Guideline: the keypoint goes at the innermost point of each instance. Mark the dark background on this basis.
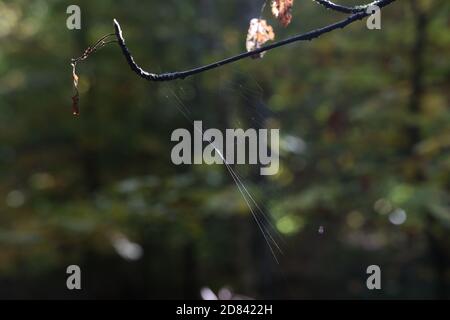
(364, 122)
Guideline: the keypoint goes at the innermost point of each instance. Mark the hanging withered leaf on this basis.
(76, 97)
(103, 41)
(259, 33)
(282, 9)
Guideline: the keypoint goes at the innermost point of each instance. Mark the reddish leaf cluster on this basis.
(260, 31)
(282, 9)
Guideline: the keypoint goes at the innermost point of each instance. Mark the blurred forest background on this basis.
(365, 153)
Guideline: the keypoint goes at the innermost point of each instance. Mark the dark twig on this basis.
(91, 49)
(358, 15)
(340, 8)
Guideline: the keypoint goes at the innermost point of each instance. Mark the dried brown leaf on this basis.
(76, 97)
(259, 33)
(282, 10)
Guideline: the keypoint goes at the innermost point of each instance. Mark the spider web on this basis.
(244, 90)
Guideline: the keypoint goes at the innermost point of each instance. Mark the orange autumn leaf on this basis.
(259, 33)
(281, 9)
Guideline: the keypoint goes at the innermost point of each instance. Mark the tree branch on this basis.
(357, 15)
(339, 8)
